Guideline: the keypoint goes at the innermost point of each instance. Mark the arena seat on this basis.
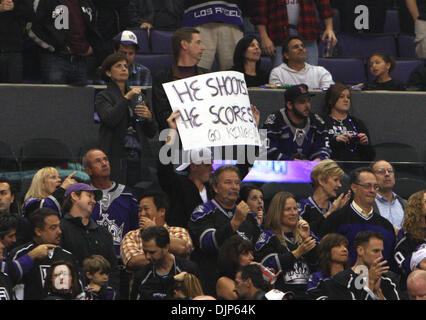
(405, 187)
(143, 40)
(155, 62)
(363, 45)
(8, 160)
(346, 70)
(403, 69)
(406, 46)
(161, 41)
(392, 22)
(395, 152)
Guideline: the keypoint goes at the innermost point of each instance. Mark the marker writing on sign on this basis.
(191, 91)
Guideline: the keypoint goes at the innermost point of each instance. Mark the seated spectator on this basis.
(381, 66)
(62, 282)
(247, 61)
(236, 252)
(413, 232)
(81, 234)
(156, 280)
(28, 263)
(390, 205)
(46, 190)
(332, 259)
(286, 245)
(158, 14)
(219, 219)
(253, 196)
(359, 215)
(295, 70)
(418, 259)
(97, 269)
(294, 133)
(370, 269)
(187, 288)
(349, 137)
(126, 43)
(153, 208)
(417, 79)
(250, 284)
(126, 123)
(416, 284)
(326, 179)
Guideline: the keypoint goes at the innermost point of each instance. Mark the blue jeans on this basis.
(63, 69)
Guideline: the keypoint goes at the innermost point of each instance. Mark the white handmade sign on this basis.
(215, 110)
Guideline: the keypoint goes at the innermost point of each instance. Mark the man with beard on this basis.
(33, 259)
(293, 132)
(81, 234)
(156, 279)
(389, 204)
(217, 220)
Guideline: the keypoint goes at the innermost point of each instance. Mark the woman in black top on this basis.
(349, 137)
(125, 123)
(247, 60)
(381, 65)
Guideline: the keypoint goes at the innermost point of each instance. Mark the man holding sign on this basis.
(187, 51)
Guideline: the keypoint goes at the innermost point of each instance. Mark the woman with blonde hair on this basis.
(187, 288)
(46, 190)
(286, 245)
(413, 232)
(326, 179)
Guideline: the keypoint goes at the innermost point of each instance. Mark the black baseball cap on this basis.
(296, 91)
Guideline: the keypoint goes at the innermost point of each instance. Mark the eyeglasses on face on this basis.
(369, 186)
(383, 171)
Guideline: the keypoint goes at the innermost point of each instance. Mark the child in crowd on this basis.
(381, 65)
(97, 269)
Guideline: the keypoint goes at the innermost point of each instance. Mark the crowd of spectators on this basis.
(118, 237)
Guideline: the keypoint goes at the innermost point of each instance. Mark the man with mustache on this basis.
(388, 204)
(293, 132)
(217, 220)
(32, 260)
(81, 234)
(295, 70)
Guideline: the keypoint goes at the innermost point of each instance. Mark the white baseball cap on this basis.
(197, 156)
(127, 37)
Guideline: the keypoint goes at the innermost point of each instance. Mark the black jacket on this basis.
(5, 287)
(148, 285)
(353, 151)
(84, 241)
(417, 80)
(43, 31)
(183, 194)
(11, 22)
(114, 112)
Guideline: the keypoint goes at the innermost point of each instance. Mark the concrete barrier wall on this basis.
(66, 113)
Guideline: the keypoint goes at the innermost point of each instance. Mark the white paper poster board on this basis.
(215, 110)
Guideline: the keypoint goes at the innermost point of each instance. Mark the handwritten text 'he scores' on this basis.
(215, 110)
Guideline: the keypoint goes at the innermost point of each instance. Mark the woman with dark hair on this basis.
(125, 123)
(381, 66)
(413, 232)
(332, 258)
(234, 253)
(253, 196)
(349, 137)
(286, 245)
(62, 282)
(247, 60)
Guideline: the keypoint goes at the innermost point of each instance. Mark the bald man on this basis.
(416, 285)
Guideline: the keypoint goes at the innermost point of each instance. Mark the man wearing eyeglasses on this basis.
(388, 204)
(360, 214)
